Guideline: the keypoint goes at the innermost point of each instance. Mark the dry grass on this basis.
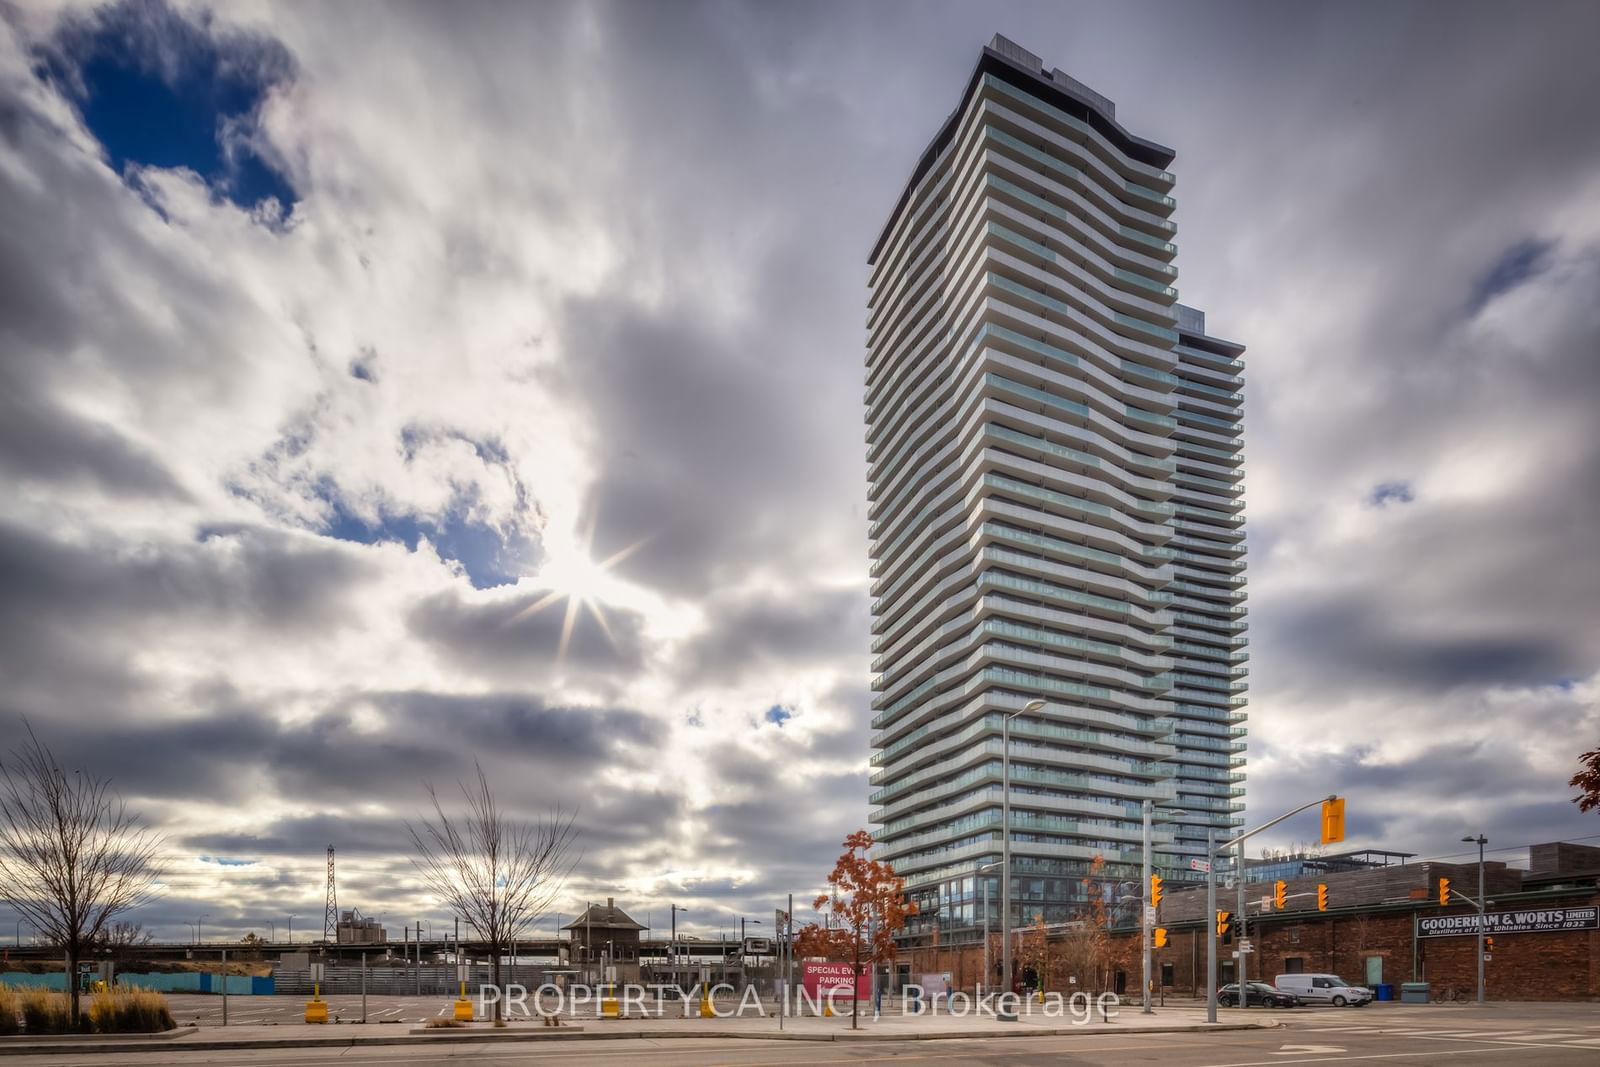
(124, 1010)
(10, 1010)
(443, 1022)
(45, 1011)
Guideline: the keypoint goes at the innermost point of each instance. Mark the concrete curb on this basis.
(199, 1044)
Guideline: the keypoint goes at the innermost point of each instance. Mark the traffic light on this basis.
(1161, 937)
(1279, 894)
(1333, 820)
(1225, 927)
(1444, 891)
(1155, 889)
(1322, 897)
(1488, 944)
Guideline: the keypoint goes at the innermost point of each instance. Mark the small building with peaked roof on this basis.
(602, 934)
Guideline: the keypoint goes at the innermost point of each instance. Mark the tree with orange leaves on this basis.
(868, 905)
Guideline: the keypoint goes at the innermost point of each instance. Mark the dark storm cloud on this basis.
(73, 611)
(755, 634)
(540, 754)
(705, 456)
(1427, 800)
(42, 444)
(517, 638)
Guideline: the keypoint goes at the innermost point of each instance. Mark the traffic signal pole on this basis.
(1244, 932)
(1214, 851)
(1144, 912)
(1211, 926)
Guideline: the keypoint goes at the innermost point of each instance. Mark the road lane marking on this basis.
(1371, 1056)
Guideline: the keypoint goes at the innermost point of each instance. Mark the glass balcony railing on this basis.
(1143, 371)
(1149, 194)
(1005, 433)
(1150, 417)
(1145, 239)
(1145, 283)
(1146, 326)
(1187, 416)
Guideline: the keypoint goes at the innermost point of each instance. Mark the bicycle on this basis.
(1456, 995)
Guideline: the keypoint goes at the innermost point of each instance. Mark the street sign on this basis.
(1149, 913)
(1203, 866)
(316, 972)
(1530, 921)
(1487, 957)
(1245, 946)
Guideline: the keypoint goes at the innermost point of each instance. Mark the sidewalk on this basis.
(887, 1028)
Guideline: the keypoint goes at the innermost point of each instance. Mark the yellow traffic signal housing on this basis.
(1225, 927)
(1333, 821)
(1322, 897)
(1280, 894)
(1488, 944)
(1160, 937)
(1444, 891)
(1155, 889)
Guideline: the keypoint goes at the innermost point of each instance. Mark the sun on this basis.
(570, 573)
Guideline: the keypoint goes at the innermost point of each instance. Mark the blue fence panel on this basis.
(22, 979)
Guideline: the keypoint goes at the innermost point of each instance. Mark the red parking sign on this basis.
(819, 978)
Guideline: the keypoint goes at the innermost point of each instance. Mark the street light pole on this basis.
(1005, 851)
(988, 972)
(672, 951)
(290, 935)
(1480, 841)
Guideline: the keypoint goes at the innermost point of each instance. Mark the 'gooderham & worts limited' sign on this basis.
(1533, 921)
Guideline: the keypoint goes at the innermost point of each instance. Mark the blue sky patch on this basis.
(778, 715)
(224, 861)
(159, 90)
(489, 558)
(1516, 265)
(1385, 493)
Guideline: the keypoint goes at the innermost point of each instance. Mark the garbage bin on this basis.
(1384, 991)
(1413, 992)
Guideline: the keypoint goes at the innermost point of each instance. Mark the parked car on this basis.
(1324, 989)
(1260, 993)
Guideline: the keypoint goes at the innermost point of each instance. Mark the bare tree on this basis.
(498, 874)
(122, 939)
(72, 856)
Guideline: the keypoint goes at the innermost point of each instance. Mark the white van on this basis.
(1323, 989)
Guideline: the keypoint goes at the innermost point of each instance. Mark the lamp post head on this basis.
(1034, 705)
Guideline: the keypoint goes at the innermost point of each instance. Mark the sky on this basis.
(385, 387)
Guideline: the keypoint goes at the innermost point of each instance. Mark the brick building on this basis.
(605, 936)
(1376, 929)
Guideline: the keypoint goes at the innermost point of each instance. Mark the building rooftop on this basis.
(1012, 63)
(607, 917)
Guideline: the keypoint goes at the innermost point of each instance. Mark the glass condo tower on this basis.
(1055, 484)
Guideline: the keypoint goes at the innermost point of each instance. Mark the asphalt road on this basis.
(1229, 1049)
(1497, 1034)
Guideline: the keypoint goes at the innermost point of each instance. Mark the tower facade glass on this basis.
(1056, 513)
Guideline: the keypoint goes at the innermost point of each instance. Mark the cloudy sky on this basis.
(384, 387)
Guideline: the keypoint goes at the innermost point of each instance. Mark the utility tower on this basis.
(330, 918)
